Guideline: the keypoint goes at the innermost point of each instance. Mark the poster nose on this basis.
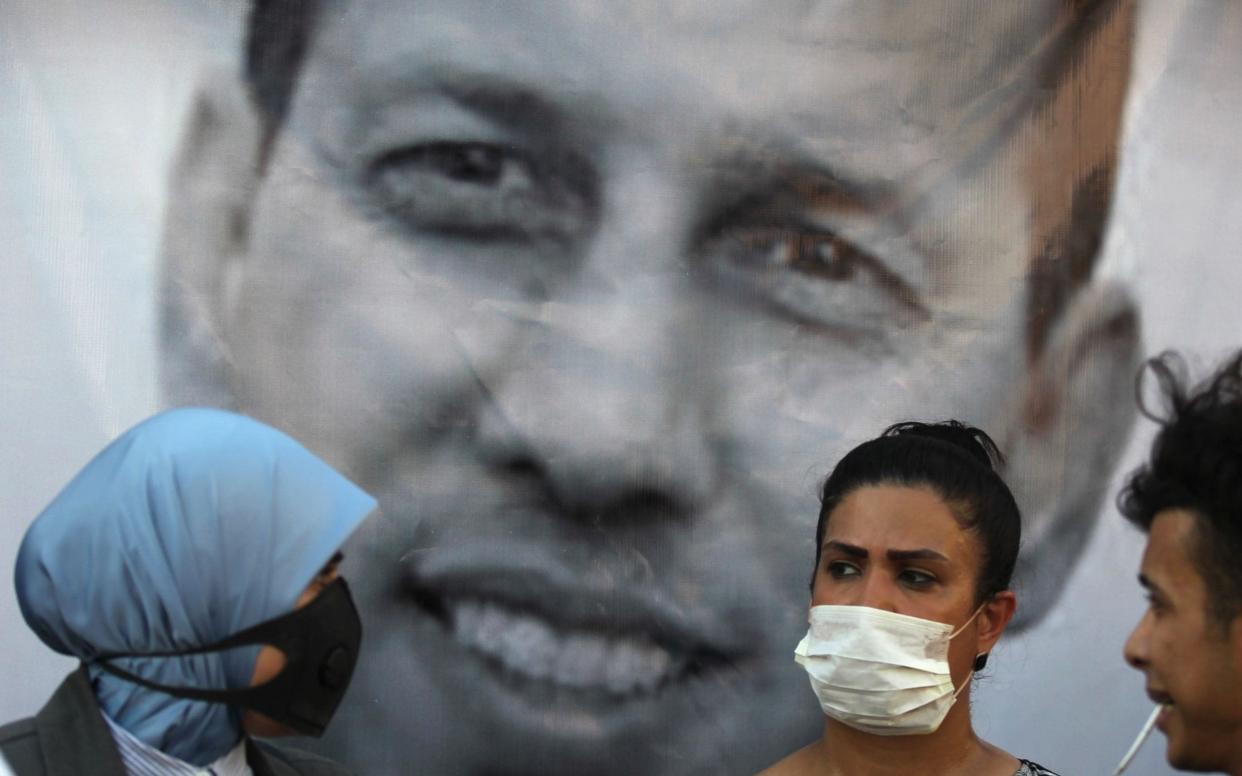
(613, 395)
(610, 396)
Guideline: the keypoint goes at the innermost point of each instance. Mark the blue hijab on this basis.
(190, 527)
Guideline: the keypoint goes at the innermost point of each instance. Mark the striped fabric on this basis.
(142, 760)
(1028, 768)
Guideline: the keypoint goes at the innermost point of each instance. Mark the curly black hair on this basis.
(1196, 465)
(961, 464)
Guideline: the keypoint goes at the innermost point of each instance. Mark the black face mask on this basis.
(320, 642)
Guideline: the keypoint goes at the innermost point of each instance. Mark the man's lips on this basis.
(1165, 701)
(541, 621)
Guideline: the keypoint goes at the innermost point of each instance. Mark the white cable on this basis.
(1138, 742)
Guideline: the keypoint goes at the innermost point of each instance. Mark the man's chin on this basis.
(1184, 754)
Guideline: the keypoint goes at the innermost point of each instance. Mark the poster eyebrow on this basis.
(773, 173)
(495, 96)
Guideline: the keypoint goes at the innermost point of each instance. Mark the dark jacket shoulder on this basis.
(69, 737)
(19, 745)
(286, 761)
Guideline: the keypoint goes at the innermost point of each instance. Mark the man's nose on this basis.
(1135, 650)
(609, 396)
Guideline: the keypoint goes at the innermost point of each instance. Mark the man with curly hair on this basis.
(1188, 499)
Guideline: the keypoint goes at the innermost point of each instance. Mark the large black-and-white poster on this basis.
(591, 296)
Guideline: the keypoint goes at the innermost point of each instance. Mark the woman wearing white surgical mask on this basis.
(915, 547)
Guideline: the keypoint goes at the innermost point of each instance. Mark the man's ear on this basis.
(1067, 431)
(214, 177)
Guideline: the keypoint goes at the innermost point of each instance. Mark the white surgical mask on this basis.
(880, 672)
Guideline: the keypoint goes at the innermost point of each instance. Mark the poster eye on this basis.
(812, 274)
(464, 168)
(481, 191)
(481, 164)
(816, 253)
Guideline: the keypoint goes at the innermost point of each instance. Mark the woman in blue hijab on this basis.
(191, 567)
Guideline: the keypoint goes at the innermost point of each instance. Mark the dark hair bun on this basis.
(973, 441)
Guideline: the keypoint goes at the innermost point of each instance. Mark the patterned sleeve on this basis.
(1028, 768)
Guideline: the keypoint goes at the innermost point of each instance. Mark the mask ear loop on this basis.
(255, 635)
(980, 660)
(966, 624)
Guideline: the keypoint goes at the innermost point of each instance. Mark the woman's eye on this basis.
(916, 578)
(840, 569)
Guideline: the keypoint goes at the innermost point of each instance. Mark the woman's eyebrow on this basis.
(920, 554)
(855, 551)
(846, 549)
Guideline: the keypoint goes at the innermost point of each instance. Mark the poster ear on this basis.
(211, 187)
(1068, 431)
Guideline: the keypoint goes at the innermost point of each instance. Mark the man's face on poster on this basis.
(591, 296)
